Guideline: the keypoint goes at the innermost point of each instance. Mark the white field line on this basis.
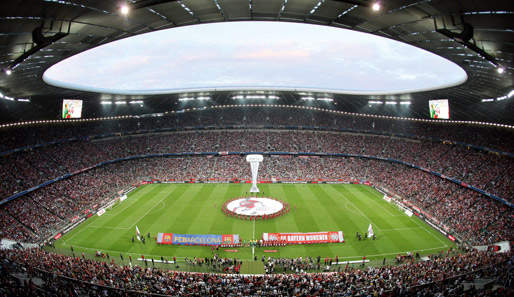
(112, 251)
(139, 254)
(346, 206)
(147, 212)
(416, 221)
(163, 205)
(107, 227)
(181, 258)
(396, 229)
(378, 203)
(396, 253)
(361, 213)
(64, 242)
(123, 205)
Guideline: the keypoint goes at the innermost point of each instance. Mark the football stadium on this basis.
(256, 148)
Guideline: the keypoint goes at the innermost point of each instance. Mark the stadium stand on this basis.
(443, 200)
(373, 149)
(444, 274)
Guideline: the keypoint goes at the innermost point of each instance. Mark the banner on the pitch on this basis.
(305, 238)
(197, 239)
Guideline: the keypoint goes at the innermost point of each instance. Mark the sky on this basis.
(255, 55)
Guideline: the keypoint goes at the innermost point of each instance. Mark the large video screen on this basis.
(439, 109)
(71, 109)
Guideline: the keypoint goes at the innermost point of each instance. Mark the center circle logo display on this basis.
(255, 206)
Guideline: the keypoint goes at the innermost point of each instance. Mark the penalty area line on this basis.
(360, 211)
(148, 212)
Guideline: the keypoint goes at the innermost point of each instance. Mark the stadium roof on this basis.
(475, 34)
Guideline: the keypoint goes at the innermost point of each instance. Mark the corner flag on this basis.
(138, 233)
(370, 231)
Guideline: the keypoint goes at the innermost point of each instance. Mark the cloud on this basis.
(266, 54)
(257, 54)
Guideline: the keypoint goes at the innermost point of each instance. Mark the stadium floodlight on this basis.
(511, 93)
(8, 71)
(124, 9)
(376, 6)
(488, 100)
(255, 97)
(500, 70)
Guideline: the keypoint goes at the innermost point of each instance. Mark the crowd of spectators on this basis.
(486, 136)
(40, 212)
(476, 218)
(443, 274)
(486, 171)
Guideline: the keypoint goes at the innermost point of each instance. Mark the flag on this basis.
(138, 233)
(370, 231)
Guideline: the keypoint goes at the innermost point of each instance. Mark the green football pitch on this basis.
(196, 209)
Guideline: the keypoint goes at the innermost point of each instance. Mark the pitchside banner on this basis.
(197, 239)
(305, 238)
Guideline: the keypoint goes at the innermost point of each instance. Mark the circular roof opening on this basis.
(255, 55)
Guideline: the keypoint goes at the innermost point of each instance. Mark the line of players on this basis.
(359, 236)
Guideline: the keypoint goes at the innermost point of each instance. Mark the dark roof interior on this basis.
(478, 35)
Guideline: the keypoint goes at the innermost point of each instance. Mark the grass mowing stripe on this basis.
(339, 214)
(364, 203)
(222, 223)
(203, 208)
(104, 239)
(151, 209)
(344, 195)
(186, 208)
(129, 201)
(306, 217)
(154, 219)
(129, 216)
(383, 220)
(386, 206)
(398, 240)
(430, 231)
(335, 208)
(329, 211)
(301, 211)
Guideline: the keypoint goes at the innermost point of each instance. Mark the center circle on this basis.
(254, 206)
